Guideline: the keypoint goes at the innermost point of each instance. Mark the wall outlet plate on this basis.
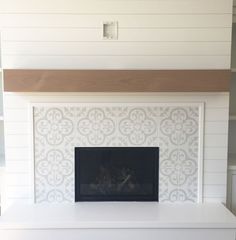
(110, 30)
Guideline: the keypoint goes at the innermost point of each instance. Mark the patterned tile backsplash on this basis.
(57, 130)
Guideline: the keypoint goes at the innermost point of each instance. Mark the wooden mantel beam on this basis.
(29, 80)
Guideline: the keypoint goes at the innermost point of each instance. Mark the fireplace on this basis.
(116, 173)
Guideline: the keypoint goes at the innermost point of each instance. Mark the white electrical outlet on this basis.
(110, 30)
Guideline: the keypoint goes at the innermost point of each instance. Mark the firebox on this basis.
(116, 173)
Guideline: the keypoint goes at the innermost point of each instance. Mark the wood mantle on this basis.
(116, 80)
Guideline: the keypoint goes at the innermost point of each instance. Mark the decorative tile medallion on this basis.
(175, 129)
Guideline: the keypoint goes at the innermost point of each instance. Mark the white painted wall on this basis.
(19, 141)
(153, 34)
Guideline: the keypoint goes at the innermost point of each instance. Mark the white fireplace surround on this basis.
(177, 128)
(19, 128)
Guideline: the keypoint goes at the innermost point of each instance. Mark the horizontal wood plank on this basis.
(215, 178)
(221, 114)
(133, 34)
(116, 62)
(116, 6)
(214, 191)
(215, 153)
(116, 80)
(18, 179)
(17, 153)
(216, 140)
(216, 127)
(125, 21)
(215, 166)
(116, 48)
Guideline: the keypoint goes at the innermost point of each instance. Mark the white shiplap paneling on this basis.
(215, 191)
(117, 62)
(19, 192)
(17, 153)
(125, 20)
(17, 179)
(18, 166)
(219, 166)
(173, 34)
(15, 115)
(217, 114)
(216, 127)
(216, 140)
(215, 178)
(215, 153)
(17, 127)
(16, 140)
(129, 35)
(114, 48)
(118, 6)
(18, 143)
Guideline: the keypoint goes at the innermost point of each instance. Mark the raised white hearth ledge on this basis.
(117, 215)
(118, 221)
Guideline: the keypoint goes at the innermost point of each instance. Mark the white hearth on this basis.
(105, 221)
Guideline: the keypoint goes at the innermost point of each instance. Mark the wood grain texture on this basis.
(16, 80)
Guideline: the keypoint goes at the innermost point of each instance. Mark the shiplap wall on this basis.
(157, 34)
(19, 141)
(153, 34)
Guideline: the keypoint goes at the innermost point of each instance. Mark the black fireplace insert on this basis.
(116, 173)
